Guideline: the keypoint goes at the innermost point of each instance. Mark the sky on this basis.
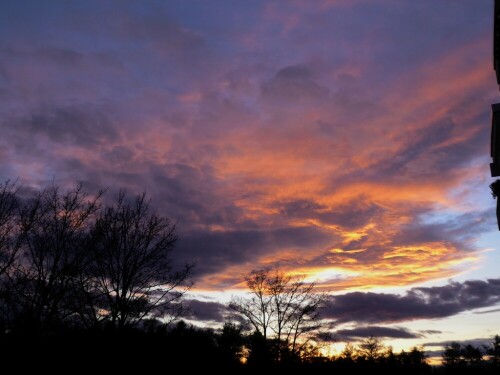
(346, 142)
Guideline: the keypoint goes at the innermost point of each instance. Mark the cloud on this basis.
(159, 32)
(475, 342)
(205, 311)
(430, 332)
(294, 83)
(82, 126)
(487, 312)
(294, 134)
(350, 215)
(376, 331)
(238, 250)
(417, 303)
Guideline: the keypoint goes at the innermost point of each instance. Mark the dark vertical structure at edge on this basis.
(495, 112)
(496, 40)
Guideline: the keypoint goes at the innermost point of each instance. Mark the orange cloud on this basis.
(320, 136)
(292, 161)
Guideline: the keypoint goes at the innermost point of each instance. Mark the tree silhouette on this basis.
(472, 355)
(132, 264)
(259, 351)
(415, 358)
(494, 351)
(348, 354)
(258, 309)
(370, 349)
(55, 237)
(10, 242)
(231, 344)
(452, 355)
(9, 225)
(280, 308)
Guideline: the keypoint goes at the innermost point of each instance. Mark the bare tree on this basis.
(258, 308)
(9, 225)
(132, 266)
(282, 308)
(296, 308)
(55, 230)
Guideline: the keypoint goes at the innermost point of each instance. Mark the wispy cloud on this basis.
(375, 331)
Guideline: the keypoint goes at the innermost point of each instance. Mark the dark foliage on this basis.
(69, 262)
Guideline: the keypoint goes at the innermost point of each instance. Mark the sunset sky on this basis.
(346, 141)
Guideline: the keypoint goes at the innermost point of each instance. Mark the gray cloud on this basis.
(460, 230)
(205, 311)
(213, 252)
(80, 126)
(430, 332)
(376, 331)
(61, 56)
(487, 311)
(351, 214)
(417, 303)
(478, 342)
(294, 83)
(161, 29)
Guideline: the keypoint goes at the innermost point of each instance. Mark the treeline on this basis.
(459, 357)
(185, 347)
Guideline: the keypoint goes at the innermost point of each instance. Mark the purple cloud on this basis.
(417, 303)
(292, 133)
